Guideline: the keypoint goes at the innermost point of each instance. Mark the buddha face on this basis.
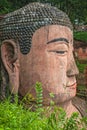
(51, 62)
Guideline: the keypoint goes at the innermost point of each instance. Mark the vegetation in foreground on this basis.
(13, 116)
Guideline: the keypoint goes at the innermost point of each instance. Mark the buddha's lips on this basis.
(73, 86)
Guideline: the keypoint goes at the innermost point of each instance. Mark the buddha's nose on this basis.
(72, 69)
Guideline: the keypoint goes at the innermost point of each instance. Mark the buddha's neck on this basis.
(69, 108)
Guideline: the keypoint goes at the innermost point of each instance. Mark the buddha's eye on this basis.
(58, 49)
(60, 52)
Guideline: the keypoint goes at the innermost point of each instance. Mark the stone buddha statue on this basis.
(37, 45)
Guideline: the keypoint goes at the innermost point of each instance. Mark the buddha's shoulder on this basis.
(81, 105)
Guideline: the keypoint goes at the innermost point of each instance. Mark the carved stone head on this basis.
(37, 45)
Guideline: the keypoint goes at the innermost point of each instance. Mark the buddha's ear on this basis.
(9, 54)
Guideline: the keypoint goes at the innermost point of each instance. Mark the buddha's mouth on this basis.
(73, 86)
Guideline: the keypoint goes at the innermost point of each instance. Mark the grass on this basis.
(14, 117)
(80, 36)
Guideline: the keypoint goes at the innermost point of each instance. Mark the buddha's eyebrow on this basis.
(57, 40)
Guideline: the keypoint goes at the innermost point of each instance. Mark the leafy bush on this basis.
(13, 116)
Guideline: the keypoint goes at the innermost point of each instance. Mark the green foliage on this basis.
(81, 91)
(39, 94)
(80, 36)
(81, 66)
(34, 102)
(14, 116)
(57, 120)
(5, 6)
(72, 122)
(51, 100)
(76, 9)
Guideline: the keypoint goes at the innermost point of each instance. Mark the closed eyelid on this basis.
(59, 53)
(58, 46)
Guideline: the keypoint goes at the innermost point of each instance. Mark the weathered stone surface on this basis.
(45, 35)
(81, 105)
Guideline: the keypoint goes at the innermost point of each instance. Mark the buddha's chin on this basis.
(59, 99)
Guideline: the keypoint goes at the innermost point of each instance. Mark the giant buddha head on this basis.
(37, 45)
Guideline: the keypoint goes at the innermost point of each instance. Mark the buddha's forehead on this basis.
(52, 33)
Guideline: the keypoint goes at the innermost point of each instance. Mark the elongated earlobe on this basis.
(10, 59)
(8, 54)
